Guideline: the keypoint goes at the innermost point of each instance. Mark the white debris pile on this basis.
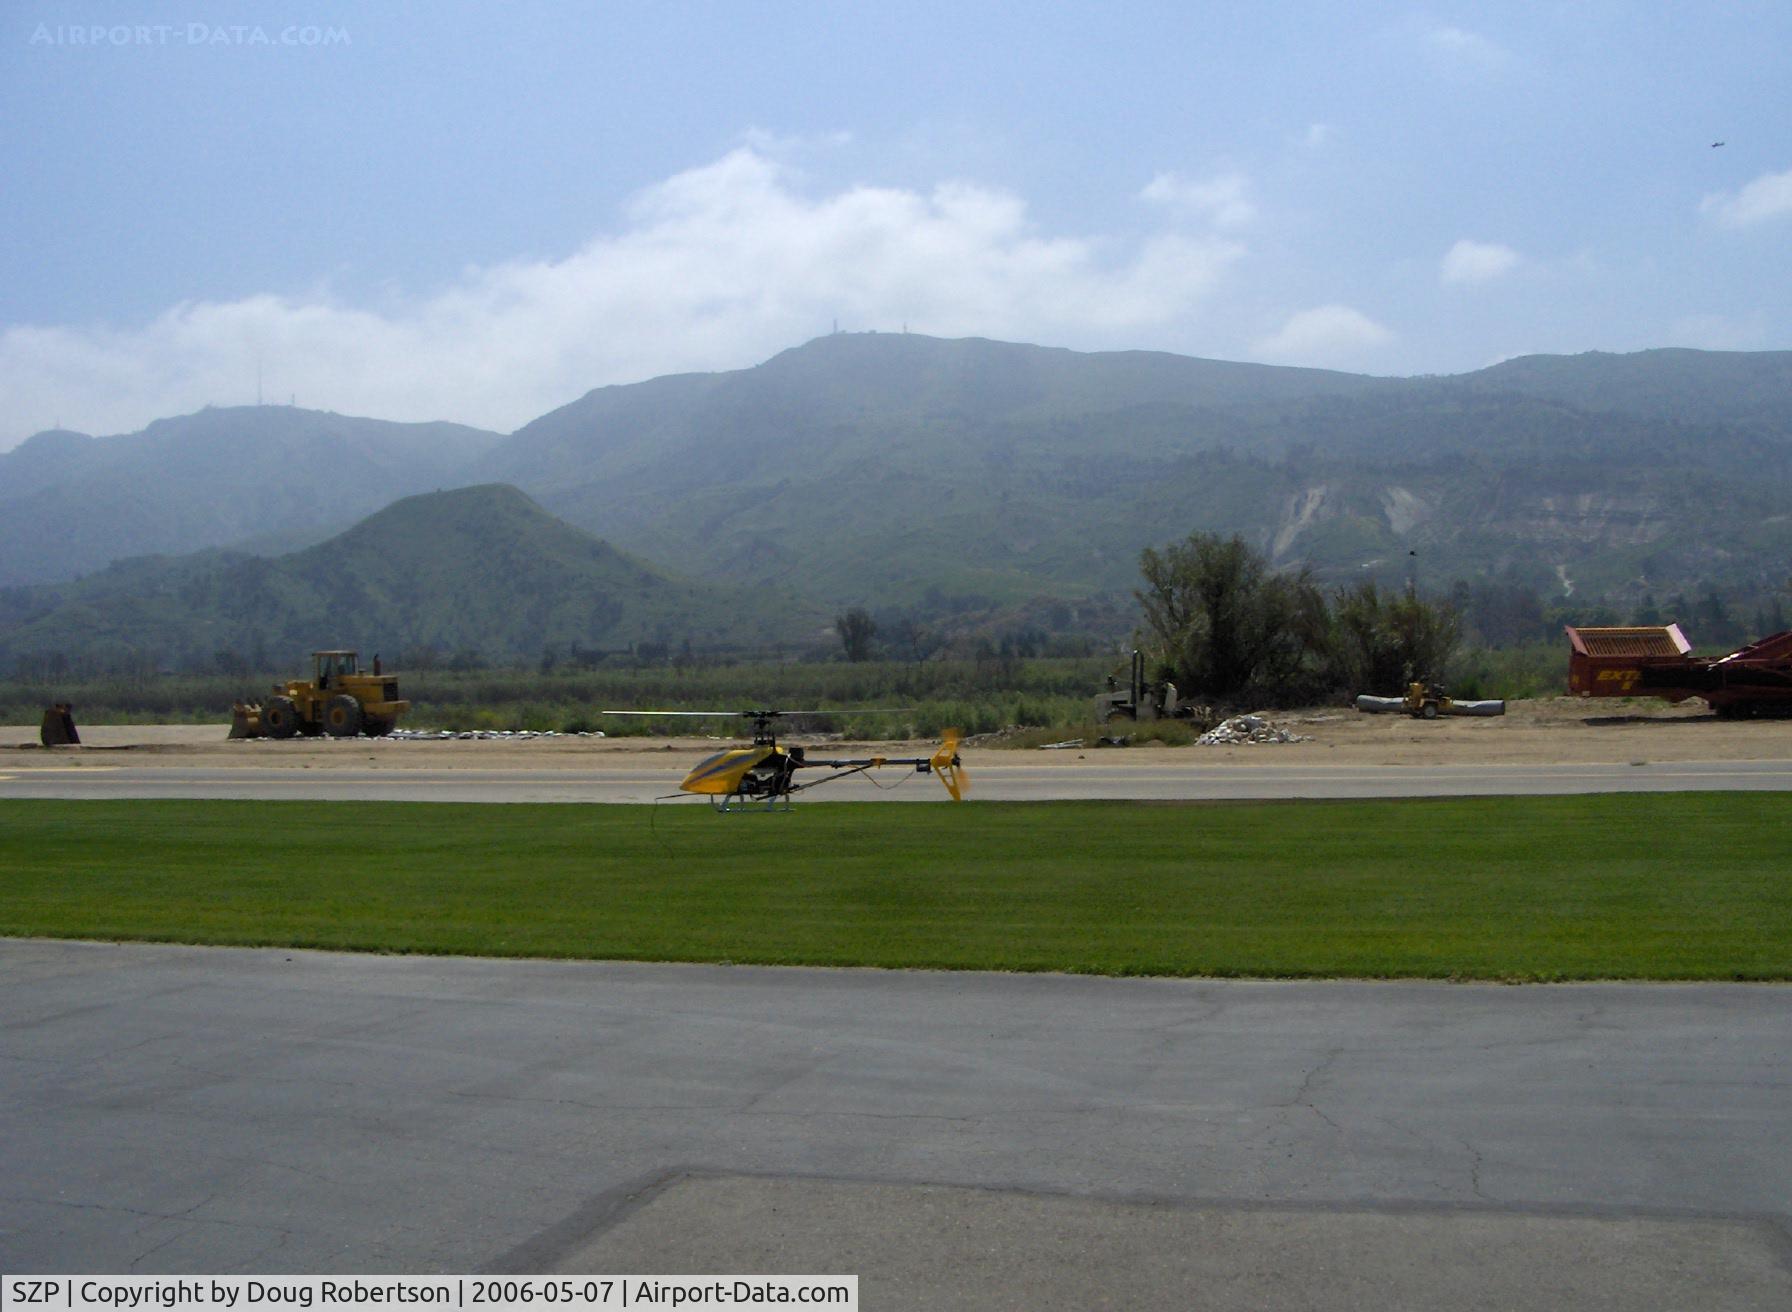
(1251, 729)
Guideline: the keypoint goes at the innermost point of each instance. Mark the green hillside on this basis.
(885, 469)
(480, 570)
(902, 471)
(840, 400)
(70, 503)
(1691, 386)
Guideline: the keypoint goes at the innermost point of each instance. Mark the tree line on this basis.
(1228, 628)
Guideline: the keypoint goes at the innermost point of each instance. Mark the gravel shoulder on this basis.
(1555, 730)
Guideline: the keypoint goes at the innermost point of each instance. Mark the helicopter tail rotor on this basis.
(946, 765)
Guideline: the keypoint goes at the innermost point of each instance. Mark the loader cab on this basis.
(1140, 698)
(331, 667)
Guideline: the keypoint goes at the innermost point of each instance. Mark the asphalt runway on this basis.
(965, 1141)
(1174, 780)
(957, 1140)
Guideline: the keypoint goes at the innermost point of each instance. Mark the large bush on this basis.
(1381, 641)
(1230, 629)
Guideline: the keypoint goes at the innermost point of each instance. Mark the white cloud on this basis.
(718, 267)
(1223, 201)
(1326, 334)
(1319, 135)
(1767, 197)
(1460, 46)
(1477, 261)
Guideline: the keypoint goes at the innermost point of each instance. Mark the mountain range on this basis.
(481, 570)
(254, 477)
(903, 471)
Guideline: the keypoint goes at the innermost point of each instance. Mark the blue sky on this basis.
(479, 212)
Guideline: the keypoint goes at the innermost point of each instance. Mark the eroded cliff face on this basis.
(1404, 509)
(1588, 519)
(1617, 517)
(1635, 531)
(1299, 513)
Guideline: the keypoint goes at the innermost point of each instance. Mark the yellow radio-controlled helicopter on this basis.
(763, 777)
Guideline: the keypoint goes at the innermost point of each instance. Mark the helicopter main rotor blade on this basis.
(708, 715)
(776, 715)
(841, 710)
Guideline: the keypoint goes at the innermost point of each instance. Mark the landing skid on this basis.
(735, 804)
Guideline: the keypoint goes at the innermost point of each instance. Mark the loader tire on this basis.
(1429, 710)
(374, 727)
(280, 718)
(342, 717)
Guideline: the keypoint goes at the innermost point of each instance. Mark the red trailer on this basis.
(1658, 662)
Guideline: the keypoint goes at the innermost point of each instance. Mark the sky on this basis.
(479, 212)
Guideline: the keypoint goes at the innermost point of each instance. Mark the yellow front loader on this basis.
(339, 699)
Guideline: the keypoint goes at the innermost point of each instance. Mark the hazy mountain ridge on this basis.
(480, 569)
(837, 396)
(901, 470)
(1667, 382)
(887, 465)
(71, 503)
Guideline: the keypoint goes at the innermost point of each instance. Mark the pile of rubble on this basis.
(1251, 729)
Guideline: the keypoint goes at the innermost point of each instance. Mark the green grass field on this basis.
(1693, 886)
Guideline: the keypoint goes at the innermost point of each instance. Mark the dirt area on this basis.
(1547, 730)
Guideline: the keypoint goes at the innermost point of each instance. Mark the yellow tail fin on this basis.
(946, 765)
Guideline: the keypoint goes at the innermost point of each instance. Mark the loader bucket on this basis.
(245, 721)
(59, 727)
